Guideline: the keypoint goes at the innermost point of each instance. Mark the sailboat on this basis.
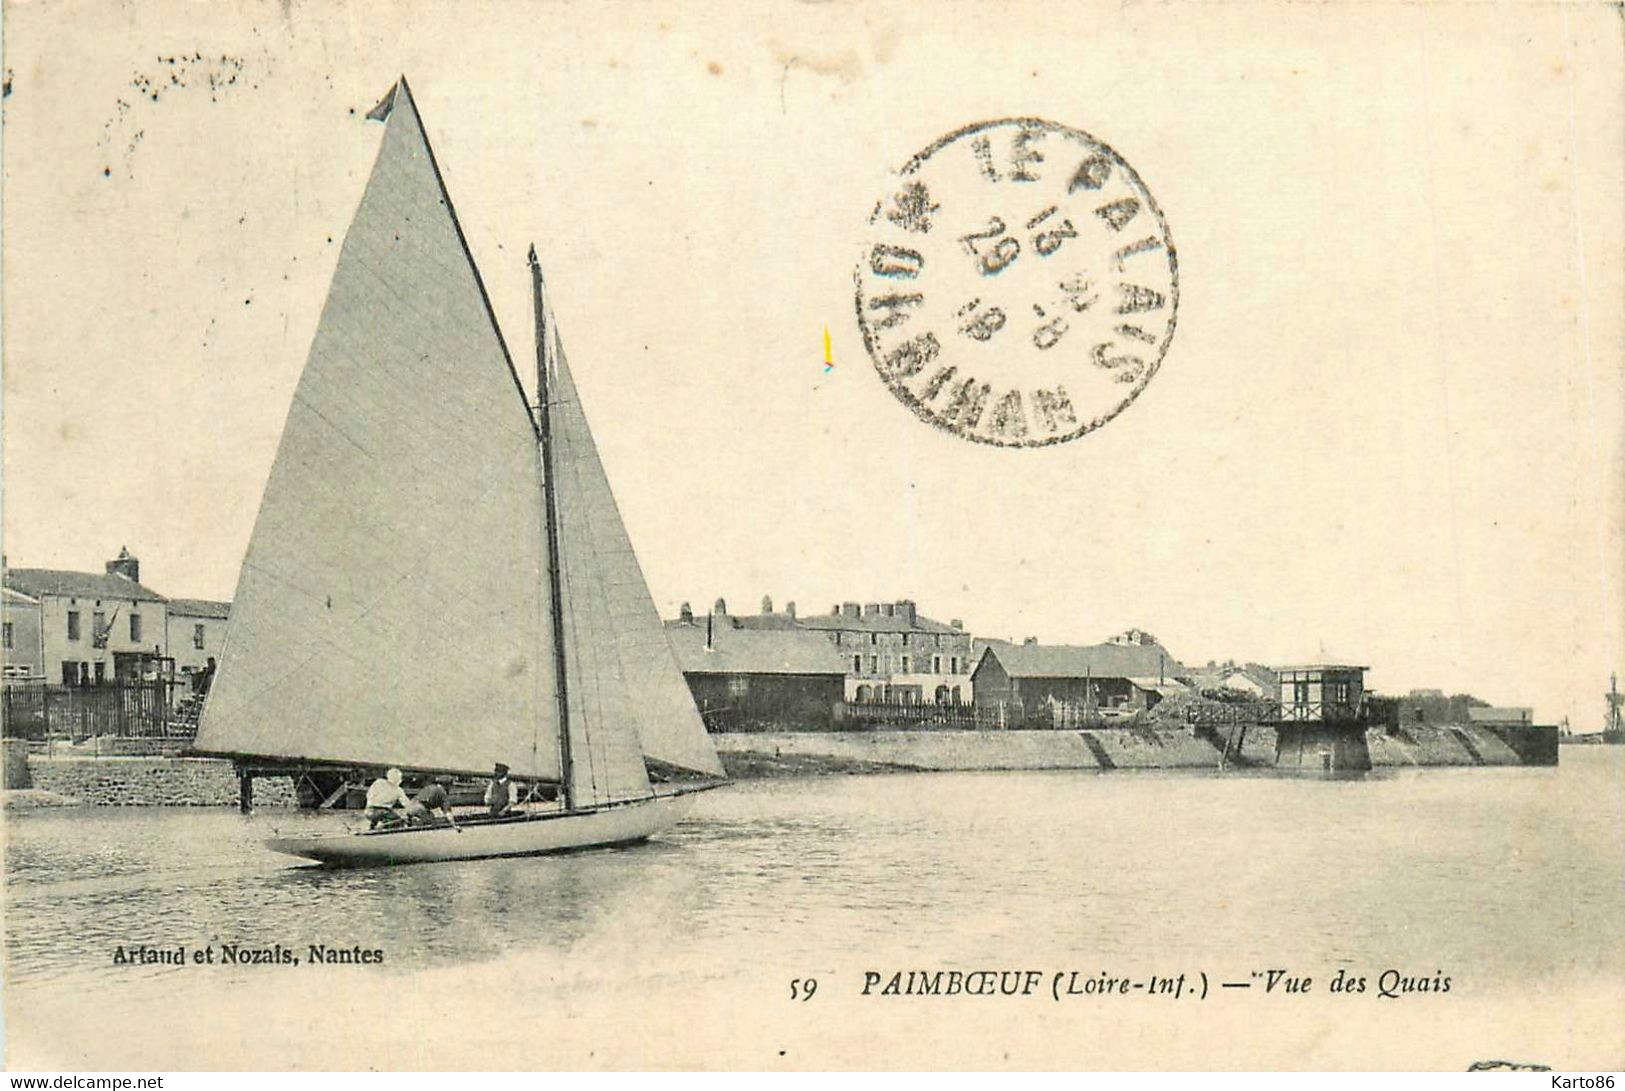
(439, 579)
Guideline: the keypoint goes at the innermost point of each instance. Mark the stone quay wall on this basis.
(152, 782)
(136, 781)
(1102, 748)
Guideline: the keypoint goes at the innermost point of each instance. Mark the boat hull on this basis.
(528, 835)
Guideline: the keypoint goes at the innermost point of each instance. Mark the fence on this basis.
(861, 714)
(128, 710)
(1232, 713)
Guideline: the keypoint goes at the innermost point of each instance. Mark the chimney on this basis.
(851, 609)
(721, 607)
(685, 614)
(1029, 641)
(870, 609)
(708, 634)
(790, 609)
(956, 624)
(905, 610)
(125, 565)
(886, 609)
(767, 604)
(835, 611)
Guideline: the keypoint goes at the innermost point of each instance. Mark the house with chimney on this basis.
(747, 675)
(893, 654)
(890, 653)
(92, 627)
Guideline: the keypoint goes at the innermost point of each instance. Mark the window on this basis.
(936, 664)
(84, 674)
(73, 624)
(874, 638)
(70, 671)
(101, 672)
(8, 634)
(1340, 693)
(98, 629)
(857, 664)
(135, 628)
(874, 664)
(1300, 693)
(738, 686)
(905, 661)
(837, 640)
(905, 644)
(197, 636)
(954, 665)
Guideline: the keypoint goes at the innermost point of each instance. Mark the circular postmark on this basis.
(1019, 285)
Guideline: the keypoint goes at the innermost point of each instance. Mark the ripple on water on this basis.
(1493, 870)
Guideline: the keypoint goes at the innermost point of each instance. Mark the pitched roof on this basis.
(1081, 660)
(880, 623)
(753, 651)
(84, 585)
(199, 608)
(1165, 687)
(1261, 676)
(14, 596)
(760, 621)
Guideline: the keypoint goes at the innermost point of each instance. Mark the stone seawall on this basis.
(152, 782)
(1440, 744)
(804, 752)
(211, 782)
(934, 750)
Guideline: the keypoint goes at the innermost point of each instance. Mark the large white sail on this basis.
(606, 761)
(392, 607)
(669, 728)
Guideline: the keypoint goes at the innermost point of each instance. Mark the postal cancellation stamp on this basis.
(1019, 285)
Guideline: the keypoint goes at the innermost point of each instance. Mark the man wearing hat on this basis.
(499, 793)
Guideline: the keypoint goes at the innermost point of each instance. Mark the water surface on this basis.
(1507, 880)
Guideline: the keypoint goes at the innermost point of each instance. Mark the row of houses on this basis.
(91, 628)
(886, 662)
(772, 668)
(884, 653)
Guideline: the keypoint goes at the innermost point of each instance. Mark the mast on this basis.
(1614, 722)
(551, 514)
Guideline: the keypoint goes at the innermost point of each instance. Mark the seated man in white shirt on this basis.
(383, 797)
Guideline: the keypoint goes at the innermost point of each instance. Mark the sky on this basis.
(1387, 430)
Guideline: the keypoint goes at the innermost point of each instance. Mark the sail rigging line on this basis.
(607, 749)
(550, 515)
(457, 226)
(587, 757)
(577, 596)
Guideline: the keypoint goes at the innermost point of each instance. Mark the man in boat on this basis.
(420, 812)
(499, 793)
(383, 797)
